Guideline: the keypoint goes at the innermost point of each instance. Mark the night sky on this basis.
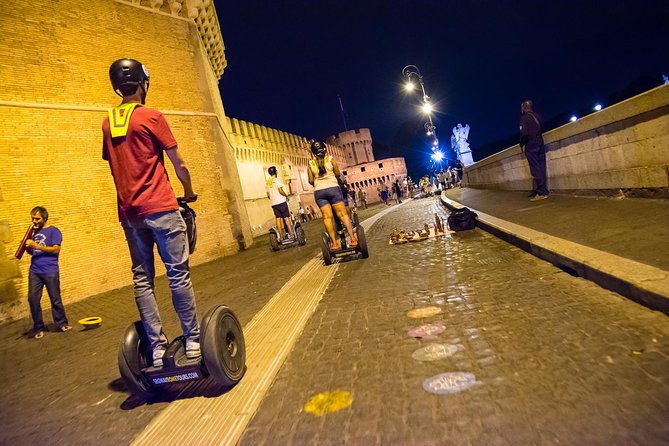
(289, 60)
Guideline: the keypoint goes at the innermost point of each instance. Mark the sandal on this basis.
(65, 328)
(38, 335)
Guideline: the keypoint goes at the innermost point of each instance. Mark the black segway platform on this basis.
(223, 355)
(276, 244)
(346, 249)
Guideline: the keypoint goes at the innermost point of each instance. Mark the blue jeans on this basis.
(168, 231)
(36, 284)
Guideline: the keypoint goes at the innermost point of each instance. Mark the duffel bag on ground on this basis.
(461, 219)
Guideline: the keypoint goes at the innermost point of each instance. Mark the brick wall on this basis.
(54, 61)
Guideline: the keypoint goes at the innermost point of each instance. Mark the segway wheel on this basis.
(362, 241)
(325, 249)
(301, 237)
(274, 241)
(223, 347)
(133, 356)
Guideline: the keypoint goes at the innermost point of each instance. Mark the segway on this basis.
(221, 341)
(223, 356)
(276, 243)
(345, 249)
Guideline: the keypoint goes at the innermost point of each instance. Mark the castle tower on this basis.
(356, 144)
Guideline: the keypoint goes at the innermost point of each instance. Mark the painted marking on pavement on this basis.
(452, 382)
(328, 402)
(427, 331)
(434, 352)
(424, 312)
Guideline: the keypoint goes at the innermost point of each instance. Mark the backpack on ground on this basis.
(461, 219)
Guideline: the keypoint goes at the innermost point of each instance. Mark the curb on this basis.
(644, 284)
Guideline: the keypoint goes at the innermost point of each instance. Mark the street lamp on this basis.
(412, 75)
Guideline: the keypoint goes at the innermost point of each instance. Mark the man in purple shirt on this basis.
(44, 248)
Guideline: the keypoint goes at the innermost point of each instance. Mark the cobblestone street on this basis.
(536, 356)
(556, 359)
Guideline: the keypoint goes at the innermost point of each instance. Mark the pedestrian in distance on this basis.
(323, 173)
(135, 140)
(278, 198)
(397, 191)
(44, 248)
(352, 199)
(383, 193)
(362, 197)
(532, 146)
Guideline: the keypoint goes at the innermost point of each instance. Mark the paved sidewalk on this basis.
(620, 243)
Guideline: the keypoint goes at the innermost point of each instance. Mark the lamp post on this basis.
(412, 74)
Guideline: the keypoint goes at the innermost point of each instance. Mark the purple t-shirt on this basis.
(46, 262)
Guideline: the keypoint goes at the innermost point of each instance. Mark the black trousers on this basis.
(536, 158)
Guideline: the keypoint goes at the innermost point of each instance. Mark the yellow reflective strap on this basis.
(119, 118)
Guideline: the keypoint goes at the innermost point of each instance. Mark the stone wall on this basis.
(624, 146)
(54, 73)
(371, 176)
(257, 148)
(356, 145)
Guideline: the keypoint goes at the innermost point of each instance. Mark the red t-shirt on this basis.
(137, 163)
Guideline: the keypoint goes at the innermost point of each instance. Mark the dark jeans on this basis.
(36, 283)
(536, 158)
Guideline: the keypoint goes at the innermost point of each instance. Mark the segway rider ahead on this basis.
(279, 201)
(323, 173)
(135, 141)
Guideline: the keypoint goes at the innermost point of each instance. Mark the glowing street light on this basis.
(412, 74)
(573, 118)
(438, 155)
(598, 107)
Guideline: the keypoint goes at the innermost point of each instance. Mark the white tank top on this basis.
(328, 179)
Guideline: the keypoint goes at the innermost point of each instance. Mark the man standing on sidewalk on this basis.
(135, 141)
(532, 145)
(44, 247)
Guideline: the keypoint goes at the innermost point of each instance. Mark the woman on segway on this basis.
(323, 173)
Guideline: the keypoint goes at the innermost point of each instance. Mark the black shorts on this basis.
(281, 210)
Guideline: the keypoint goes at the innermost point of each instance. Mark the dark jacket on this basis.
(531, 127)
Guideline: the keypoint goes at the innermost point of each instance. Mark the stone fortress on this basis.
(55, 94)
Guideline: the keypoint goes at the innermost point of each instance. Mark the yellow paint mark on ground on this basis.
(328, 402)
(424, 312)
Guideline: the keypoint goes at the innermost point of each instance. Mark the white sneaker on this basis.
(158, 354)
(193, 350)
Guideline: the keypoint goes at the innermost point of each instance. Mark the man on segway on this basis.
(279, 201)
(135, 140)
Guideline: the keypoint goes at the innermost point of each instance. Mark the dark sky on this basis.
(288, 61)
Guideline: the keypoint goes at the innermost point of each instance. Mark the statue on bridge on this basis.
(460, 145)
